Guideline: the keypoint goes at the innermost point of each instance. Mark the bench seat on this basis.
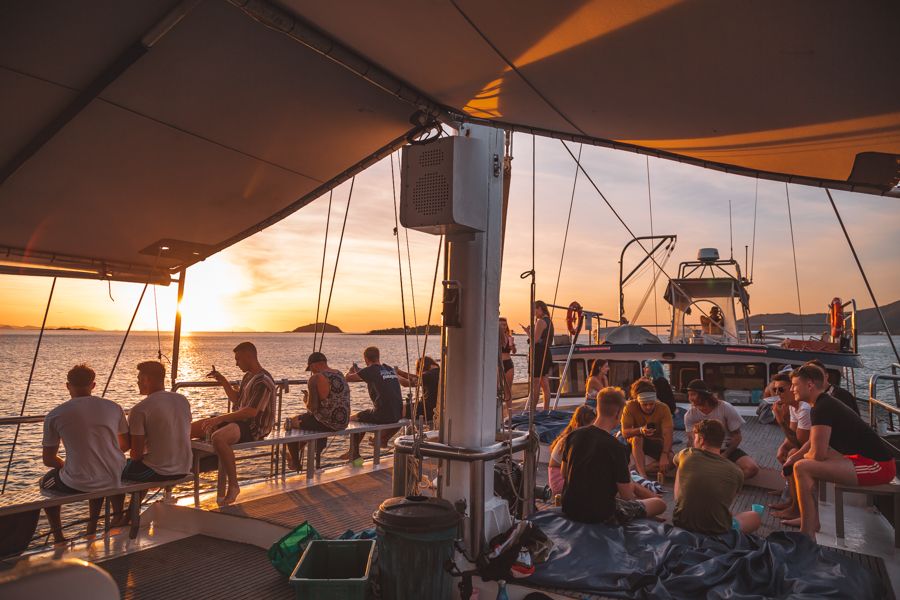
(278, 437)
(37, 499)
(886, 489)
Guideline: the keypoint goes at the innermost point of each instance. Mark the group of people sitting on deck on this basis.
(591, 462)
(96, 434)
(158, 430)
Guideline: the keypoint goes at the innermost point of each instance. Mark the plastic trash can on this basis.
(334, 570)
(415, 541)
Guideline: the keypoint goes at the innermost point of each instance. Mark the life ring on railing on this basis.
(574, 318)
(836, 318)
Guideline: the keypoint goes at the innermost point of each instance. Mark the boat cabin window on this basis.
(738, 383)
(834, 375)
(576, 378)
(682, 373)
(622, 373)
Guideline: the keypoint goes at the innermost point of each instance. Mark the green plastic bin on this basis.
(415, 542)
(334, 570)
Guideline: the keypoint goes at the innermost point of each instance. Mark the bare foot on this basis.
(796, 523)
(780, 505)
(292, 464)
(786, 514)
(231, 496)
(775, 492)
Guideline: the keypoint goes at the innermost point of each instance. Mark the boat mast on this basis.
(176, 337)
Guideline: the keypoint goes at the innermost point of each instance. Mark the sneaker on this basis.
(523, 567)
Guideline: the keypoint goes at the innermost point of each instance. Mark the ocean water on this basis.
(283, 354)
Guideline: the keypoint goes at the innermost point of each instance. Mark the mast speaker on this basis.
(444, 186)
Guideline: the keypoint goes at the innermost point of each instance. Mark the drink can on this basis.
(661, 478)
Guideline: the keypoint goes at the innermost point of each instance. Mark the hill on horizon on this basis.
(312, 328)
(867, 320)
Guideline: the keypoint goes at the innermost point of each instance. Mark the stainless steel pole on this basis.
(176, 338)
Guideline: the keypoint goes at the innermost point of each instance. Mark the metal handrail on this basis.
(873, 397)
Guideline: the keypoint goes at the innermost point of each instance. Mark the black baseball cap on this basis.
(314, 358)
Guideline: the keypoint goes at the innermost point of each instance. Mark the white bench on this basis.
(278, 437)
(887, 489)
(28, 500)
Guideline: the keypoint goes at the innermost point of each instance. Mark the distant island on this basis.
(867, 320)
(420, 330)
(320, 327)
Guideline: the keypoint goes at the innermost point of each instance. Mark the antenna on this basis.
(730, 230)
(746, 259)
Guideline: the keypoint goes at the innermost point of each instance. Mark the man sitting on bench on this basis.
(95, 434)
(252, 419)
(160, 427)
(841, 448)
(328, 406)
(384, 390)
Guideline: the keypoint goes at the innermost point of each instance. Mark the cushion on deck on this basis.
(647, 559)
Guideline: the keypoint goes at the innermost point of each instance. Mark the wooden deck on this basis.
(198, 567)
(332, 508)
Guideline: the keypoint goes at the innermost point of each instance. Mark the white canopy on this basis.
(129, 127)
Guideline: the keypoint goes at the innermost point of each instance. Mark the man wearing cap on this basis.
(327, 405)
(704, 405)
(647, 426)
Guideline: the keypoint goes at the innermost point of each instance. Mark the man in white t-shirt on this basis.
(160, 427)
(704, 405)
(95, 434)
(796, 423)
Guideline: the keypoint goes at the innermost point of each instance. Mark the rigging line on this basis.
(568, 222)
(532, 398)
(753, 243)
(794, 250)
(655, 274)
(400, 265)
(412, 291)
(437, 263)
(730, 232)
(515, 69)
(322, 270)
(863, 273)
(124, 339)
(627, 228)
(37, 348)
(337, 260)
(159, 353)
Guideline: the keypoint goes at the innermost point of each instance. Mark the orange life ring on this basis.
(837, 318)
(574, 318)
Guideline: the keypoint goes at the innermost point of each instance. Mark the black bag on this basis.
(16, 531)
(499, 557)
(508, 479)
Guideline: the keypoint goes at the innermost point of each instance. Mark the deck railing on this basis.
(874, 402)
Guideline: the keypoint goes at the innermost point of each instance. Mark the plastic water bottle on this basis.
(501, 590)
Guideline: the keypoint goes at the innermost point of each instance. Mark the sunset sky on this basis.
(269, 282)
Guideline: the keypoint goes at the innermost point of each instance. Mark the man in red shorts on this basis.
(842, 448)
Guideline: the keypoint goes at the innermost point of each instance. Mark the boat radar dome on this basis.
(708, 255)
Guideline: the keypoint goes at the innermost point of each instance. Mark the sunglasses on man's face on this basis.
(778, 390)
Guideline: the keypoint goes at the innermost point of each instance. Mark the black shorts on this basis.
(52, 482)
(136, 470)
(373, 418)
(543, 361)
(507, 365)
(246, 435)
(652, 448)
(736, 455)
(309, 422)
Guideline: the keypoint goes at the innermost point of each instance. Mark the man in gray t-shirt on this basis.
(704, 405)
(95, 434)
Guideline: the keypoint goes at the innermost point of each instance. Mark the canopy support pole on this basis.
(37, 349)
(887, 330)
(176, 336)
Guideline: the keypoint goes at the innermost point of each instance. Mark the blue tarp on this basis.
(548, 424)
(646, 559)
